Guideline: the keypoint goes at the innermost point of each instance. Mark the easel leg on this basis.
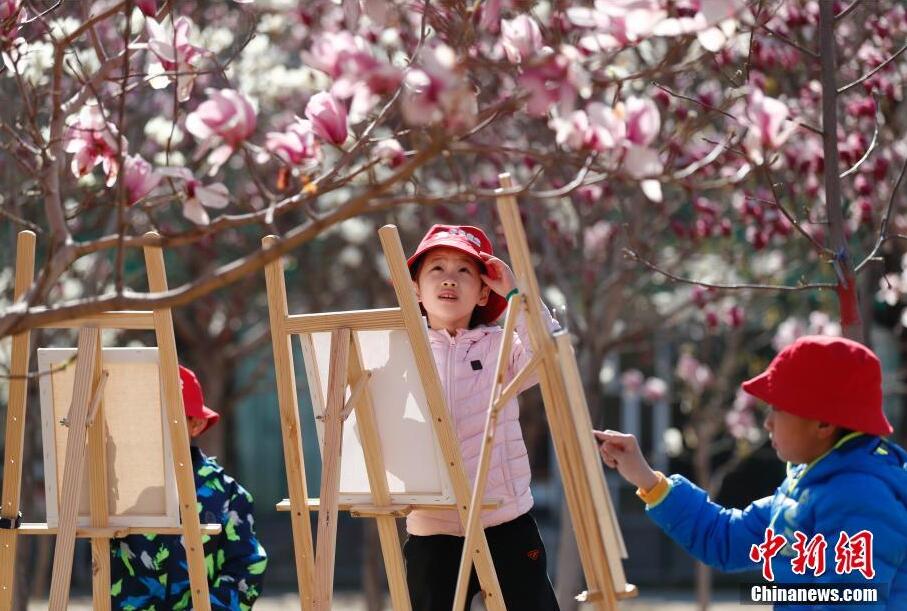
(73, 470)
(330, 472)
(97, 470)
(473, 520)
(15, 424)
(179, 435)
(371, 445)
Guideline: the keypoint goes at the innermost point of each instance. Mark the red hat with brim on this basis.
(194, 399)
(830, 379)
(471, 241)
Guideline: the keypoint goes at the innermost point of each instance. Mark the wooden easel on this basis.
(315, 570)
(86, 420)
(598, 537)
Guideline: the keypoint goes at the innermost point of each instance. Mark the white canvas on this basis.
(413, 462)
(141, 485)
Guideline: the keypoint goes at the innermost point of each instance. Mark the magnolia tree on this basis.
(678, 163)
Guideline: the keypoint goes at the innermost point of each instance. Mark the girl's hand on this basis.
(499, 278)
(621, 451)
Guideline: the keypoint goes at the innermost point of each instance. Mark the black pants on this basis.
(519, 559)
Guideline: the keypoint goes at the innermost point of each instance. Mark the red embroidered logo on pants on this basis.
(534, 554)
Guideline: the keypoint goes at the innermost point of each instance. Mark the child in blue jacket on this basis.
(149, 572)
(840, 516)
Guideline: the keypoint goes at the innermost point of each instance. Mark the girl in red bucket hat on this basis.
(840, 516)
(464, 289)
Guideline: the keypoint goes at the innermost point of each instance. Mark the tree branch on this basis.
(883, 228)
(873, 71)
(847, 11)
(20, 316)
(729, 287)
(872, 144)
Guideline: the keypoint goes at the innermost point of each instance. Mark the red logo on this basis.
(534, 554)
(764, 552)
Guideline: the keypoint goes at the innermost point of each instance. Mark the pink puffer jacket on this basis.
(466, 364)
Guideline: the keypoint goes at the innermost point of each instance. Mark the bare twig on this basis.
(790, 42)
(730, 287)
(819, 248)
(873, 71)
(872, 144)
(883, 228)
(806, 126)
(847, 11)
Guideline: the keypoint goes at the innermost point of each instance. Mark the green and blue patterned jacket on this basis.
(149, 572)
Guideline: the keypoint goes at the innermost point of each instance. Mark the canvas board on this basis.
(141, 487)
(413, 461)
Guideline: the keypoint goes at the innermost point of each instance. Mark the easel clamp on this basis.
(11, 523)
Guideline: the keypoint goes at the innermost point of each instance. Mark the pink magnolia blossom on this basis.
(632, 381)
(356, 72)
(490, 16)
(552, 79)
(521, 38)
(741, 420)
(390, 152)
(330, 49)
(655, 390)
(224, 120)
(177, 59)
(196, 197)
(596, 239)
(642, 119)
(788, 332)
(606, 127)
(93, 140)
(328, 117)
(616, 23)
(697, 376)
(573, 131)
(297, 146)
(436, 91)
(140, 178)
(768, 128)
(148, 7)
(11, 15)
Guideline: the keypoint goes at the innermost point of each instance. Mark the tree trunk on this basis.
(848, 295)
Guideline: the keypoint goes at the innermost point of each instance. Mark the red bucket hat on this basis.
(831, 379)
(468, 240)
(194, 399)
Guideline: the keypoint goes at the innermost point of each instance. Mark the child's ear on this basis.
(484, 294)
(826, 430)
(416, 288)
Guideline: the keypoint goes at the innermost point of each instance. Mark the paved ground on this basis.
(352, 602)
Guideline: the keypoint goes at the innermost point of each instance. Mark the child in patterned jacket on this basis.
(149, 572)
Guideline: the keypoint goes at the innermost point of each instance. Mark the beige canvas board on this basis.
(141, 486)
(413, 461)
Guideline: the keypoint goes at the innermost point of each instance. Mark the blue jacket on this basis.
(860, 484)
(149, 572)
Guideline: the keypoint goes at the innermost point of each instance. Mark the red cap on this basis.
(830, 379)
(473, 242)
(194, 399)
